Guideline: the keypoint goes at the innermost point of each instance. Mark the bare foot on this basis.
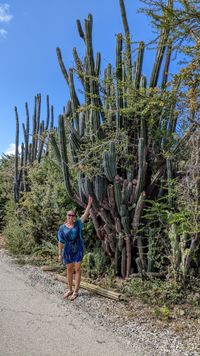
(74, 295)
(67, 294)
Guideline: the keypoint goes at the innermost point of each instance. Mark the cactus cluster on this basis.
(31, 149)
(121, 186)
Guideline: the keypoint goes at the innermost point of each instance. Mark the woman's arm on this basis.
(60, 247)
(87, 210)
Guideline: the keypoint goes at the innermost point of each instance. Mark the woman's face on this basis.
(71, 216)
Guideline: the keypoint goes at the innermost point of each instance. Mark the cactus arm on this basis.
(135, 224)
(52, 118)
(111, 199)
(62, 66)
(128, 254)
(79, 66)
(64, 158)
(26, 136)
(55, 147)
(166, 66)
(109, 163)
(81, 124)
(64, 162)
(143, 123)
(48, 113)
(164, 35)
(142, 168)
(38, 113)
(123, 262)
(74, 98)
(89, 47)
(34, 130)
(42, 140)
(138, 66)
(25, 148)
(98, 64)
(118, 194)
(119, 79)
(127, 38)
(68, 110)
(80, 29)
(16, 182)
(159, 58)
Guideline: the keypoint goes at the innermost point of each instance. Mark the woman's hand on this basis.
(87, 210)
(90, 200)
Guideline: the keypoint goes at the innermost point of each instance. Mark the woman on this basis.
(71, 248)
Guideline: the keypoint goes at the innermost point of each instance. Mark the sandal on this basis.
(74, 296)
(67, 294)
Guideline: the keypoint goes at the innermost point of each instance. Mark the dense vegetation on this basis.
(133, 145)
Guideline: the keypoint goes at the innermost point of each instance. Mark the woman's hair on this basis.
(71, 211)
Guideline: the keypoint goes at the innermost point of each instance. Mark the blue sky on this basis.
(31, 30)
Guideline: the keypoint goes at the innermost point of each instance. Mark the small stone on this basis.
(181, 312)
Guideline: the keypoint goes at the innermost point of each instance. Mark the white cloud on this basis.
(11, 149)
(5, 15)
(3, 33)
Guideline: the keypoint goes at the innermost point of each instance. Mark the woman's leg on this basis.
(77, 279)
(70, 270)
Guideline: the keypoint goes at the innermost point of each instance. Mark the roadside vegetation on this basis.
(133, 145)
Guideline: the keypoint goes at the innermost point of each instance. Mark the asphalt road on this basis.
(34, 323)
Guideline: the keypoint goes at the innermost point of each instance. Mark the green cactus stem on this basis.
(48, 113)
(64, 158)
(42, 141)
(135, 224)
(80, 29)
(128, 253)
(89, 47)
(55, 148)
(26, 135)
(166, 66)
(62, 66)
(74, 98)
(34, 130)
(98, 64)
(123, 262)
(106, 218)
(111, 199)
(127, 39)
(164, 35)
(16, 180)
(138, 65)
(142, 168)
(52, 118)
(79, 66)
(68, 110)
(118, 194)
(119, 79)
(99, 187)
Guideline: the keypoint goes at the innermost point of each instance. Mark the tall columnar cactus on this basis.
(115, 126)
(34, 146)
(16, 179)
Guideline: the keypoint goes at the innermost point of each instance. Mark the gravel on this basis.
(131, 320)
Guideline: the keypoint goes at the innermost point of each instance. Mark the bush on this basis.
(155, 292)
(17, 238)
(95, 262)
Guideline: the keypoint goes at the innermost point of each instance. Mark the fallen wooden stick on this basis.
(95, 289)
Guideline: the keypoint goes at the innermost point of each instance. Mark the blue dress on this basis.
(73, 242)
